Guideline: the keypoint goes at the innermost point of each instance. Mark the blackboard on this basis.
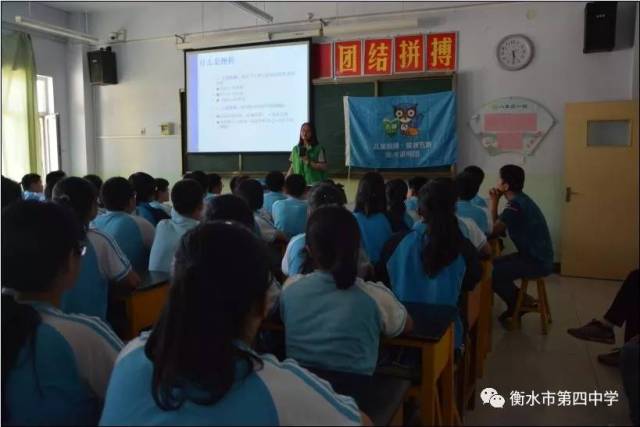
(328, 118)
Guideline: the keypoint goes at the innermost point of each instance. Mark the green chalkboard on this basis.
(328, 118)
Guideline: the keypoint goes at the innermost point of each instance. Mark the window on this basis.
(49, 141)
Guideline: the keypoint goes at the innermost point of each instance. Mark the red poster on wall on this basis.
(409, 54)
(321, 61)
(377, 56)
(442, 51)
(348, 58)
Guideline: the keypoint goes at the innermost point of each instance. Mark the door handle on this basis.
(568, 193)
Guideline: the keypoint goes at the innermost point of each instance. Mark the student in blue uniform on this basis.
(55, 366)
(370, 212)
(275, 183)
(415, 184)
(50, 181)
(435, 262)
(103, 262)
(333, 320)
(296, 260)
(478, 176)
(161, 196)
(467, 189)
(145, 187)
(32, 188)
(210, 375)
(396, 208)
(186, 197)
(252, 193)
(528, 230)
(232, 208)
(11, 192)
(236, 181)
(290, 214)
(133, 233)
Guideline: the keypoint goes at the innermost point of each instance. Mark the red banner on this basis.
(348, 58)
(409, 54)
(321, 65)
(441, 51)
(377, 56)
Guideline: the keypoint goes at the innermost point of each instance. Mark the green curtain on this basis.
(21, 151)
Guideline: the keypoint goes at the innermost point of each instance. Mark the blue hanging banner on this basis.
(396, 132)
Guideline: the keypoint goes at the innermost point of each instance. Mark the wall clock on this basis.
(514, 52)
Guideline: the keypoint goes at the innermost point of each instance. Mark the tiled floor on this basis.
(528, 361)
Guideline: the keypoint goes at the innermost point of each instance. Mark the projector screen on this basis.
(247, 99)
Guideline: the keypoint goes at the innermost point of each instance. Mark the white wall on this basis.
(151, 72)
(49, 55)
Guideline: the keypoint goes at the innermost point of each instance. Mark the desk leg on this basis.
(429, 386)
(446, 384)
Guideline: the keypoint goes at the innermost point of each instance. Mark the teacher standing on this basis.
(308, 158)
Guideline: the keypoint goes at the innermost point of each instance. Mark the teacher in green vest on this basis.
(308, 158)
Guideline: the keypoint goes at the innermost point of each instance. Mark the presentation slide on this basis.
(247, 99)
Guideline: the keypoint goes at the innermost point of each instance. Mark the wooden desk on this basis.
(381, 397)
(144, 305)
(433, 335)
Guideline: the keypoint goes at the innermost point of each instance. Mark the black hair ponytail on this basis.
(333, 238)
(444, 239)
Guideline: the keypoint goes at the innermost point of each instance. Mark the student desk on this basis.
(144, 304)
(381, 397)
(433, 335)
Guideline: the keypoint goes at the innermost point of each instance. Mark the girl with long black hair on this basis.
(370, 212)
(397, 215)
(197, 366)
(55, 366)
(333, 320)
(435, 262)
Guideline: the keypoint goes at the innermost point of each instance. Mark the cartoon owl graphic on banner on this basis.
(409, 118)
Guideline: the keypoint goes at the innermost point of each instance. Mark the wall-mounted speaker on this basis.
(608, 26)
(102, 67)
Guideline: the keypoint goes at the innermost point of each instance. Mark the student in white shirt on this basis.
(103, 263)
(186, 197)
(252, 193)
(55, 366)
(197, 366)
(333, 320)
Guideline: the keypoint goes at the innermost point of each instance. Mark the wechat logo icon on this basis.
(490, 396)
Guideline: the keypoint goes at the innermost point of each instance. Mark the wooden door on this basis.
(600, 215)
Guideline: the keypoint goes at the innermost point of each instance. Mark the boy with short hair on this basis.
(161, 196)
(478, 176)
(186, 197)
(50, 181)
(411, 203)
(252, 193)
(214, 186)
(133, 233)
(32, 188)
(275, 183)
(467, 188)
(527, 227)
(290, 214)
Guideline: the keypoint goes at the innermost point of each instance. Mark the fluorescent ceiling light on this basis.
(333, 30)
(54, 29)
(248, 7)
(226, 40)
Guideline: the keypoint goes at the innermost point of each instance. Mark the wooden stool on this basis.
(543, 304)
